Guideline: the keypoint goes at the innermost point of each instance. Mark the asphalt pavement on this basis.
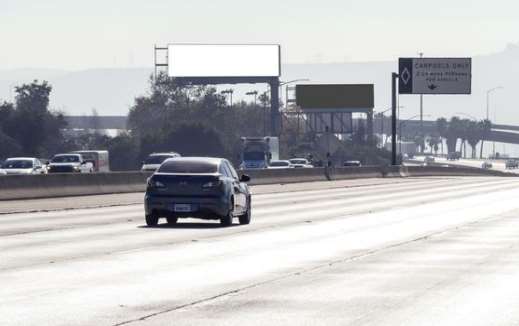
(417, 251)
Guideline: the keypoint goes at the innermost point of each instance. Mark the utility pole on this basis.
(394, 79)
(422, 134)
(488, 117)
(255, 93)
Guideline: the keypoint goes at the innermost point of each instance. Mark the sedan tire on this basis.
(227, 219)
(152, 220)
(245, 218)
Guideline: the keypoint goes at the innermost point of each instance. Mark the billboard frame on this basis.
(230, 77)
(273, 82)
(337, 109)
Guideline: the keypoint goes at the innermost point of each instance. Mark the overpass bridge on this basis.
(500, 133)
(508, 134)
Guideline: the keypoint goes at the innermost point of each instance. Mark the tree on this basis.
(32, 124)
(474, 136)
(28, 126)
(442, 126)
(463, 133)
(196, 139)
(433, 142)
(123, 153)
(485, 130)
(452, 134)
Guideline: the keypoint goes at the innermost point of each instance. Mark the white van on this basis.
(154, 160)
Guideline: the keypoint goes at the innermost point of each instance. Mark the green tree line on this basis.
(460, 132)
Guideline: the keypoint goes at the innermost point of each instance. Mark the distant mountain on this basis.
(112, 91)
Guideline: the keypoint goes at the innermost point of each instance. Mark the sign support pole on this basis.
(275, 127)
(394, 79)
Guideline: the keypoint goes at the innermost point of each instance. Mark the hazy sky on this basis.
(72, 34)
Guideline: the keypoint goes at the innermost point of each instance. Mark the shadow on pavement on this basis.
(187, 225)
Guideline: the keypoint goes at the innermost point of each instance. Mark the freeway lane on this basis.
(419, 251)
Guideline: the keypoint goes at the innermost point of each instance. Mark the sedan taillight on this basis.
(211, 185)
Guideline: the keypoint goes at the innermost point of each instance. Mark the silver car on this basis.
(23, 165)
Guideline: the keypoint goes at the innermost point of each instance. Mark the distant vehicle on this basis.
(2, 172)
(70, 163)
(100, 159)
(280, 165)
(428, 160)
(300, 163)
(154, 160)
(351, 163)
(200, 187)
(452, 156)
(23, 165)
(45, 164)
(512, 164)
(258, 152)
(486, 165)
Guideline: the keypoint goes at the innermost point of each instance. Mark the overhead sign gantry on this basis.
(330, 106)
(437, 76)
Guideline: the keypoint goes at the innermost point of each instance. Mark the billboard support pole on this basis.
(274, 107)
(394, 79)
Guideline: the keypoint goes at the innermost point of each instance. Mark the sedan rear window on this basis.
(183, 166)
(65, 159)
(18, 164)
(157, 159)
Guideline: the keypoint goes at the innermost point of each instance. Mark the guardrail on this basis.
(61, 185)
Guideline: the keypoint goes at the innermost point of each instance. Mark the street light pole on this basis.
(255, 93)
(230, 92)
(291, 82)
(422, 134)
(488, 117)
(382, 117)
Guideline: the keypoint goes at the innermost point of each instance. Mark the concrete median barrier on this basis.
(62, 185)
(273, 176)
(59, 185)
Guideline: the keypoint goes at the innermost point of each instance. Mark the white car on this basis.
(300, 163)
(70, 163)
(154, 160)
(280, 164)
(23, 165)
(2, 172)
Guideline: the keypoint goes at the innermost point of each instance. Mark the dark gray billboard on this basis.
(349, 97)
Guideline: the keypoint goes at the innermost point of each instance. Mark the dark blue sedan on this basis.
(197, 187)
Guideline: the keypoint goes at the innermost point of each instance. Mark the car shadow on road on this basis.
(187, 225)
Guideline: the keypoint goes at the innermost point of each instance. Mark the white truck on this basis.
(257, 152)
(70, 163)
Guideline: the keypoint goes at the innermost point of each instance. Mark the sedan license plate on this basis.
(183, 208)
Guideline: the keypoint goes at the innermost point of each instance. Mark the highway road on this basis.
(415, 251)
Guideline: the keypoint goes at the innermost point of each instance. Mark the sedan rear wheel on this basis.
(245, 218)
(227, 219)
(152, 219)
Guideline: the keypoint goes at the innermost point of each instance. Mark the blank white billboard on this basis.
(219, 60)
